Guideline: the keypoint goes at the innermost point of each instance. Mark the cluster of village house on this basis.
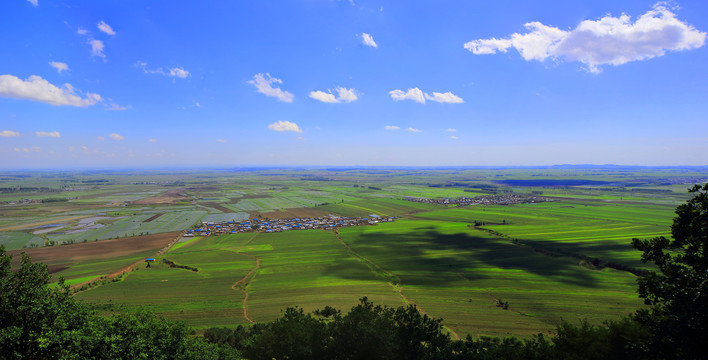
(260, 225)
(506, 199)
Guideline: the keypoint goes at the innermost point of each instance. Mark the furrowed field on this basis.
(485, 269)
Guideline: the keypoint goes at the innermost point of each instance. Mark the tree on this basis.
(36, 321)
(678, 292)
(42, 322)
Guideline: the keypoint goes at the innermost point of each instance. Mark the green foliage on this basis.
(42, 322)
(295, 335)
(678, 293)
(36, 321)
(368, 331)
(371, 331)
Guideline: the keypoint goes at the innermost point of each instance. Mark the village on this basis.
(506, 199)
(269, 226)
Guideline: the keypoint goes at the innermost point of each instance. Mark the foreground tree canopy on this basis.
(39, 321)
(678, 292)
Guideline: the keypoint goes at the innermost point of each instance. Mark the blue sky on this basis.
(101, 84)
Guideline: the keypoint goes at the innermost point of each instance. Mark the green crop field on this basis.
(567, 258)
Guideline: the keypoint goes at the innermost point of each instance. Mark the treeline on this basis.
(371, 331)
(28, 189)
(173, 264)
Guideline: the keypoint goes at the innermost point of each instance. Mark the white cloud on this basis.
(221, 140)
(9, 133)
(263, 82)
(606, 41)
(152, 140)
(368, 40)
(392, 127)
(54, 134)
(115, 136)
(81, 31)
(179, 72)
(323, 96)
(28, 150)
(284, 126)
(413, 130)
(97, 48)
(105, 28)
(453, 137)
(419, 96)
(60, 66)
(34, 2)
(100, 138)
(170, 72)
(37, 89)
(447, 97)
(451, 130)
(412, 94)
(343, 95)
(347, 95)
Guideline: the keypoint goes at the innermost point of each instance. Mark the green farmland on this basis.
(567, 256)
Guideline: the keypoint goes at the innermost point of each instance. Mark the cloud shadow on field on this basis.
(429, 258)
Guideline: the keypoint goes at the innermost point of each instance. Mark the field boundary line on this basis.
(398, 287)
(97, 280)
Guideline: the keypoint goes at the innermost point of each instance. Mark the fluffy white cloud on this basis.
(105, 28)
(453, 137)
(392, 127)
(37, 89)
(97, 48)
(284, 126)
(368, 40)
(414, 94)
(447, 97)
(81, 31)
(60, 66)
(34, 2)
(451, 130)
(323, 96)
(606, 41)
(152, 140)
(54, 134)
(413, 130)
(419, 96)
(343, 95)
(170, 72)
(347, 95)
(9, 133)
(115, 136)
(264, 84)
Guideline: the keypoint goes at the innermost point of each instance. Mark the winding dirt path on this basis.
(244, 281)
(126, 269)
